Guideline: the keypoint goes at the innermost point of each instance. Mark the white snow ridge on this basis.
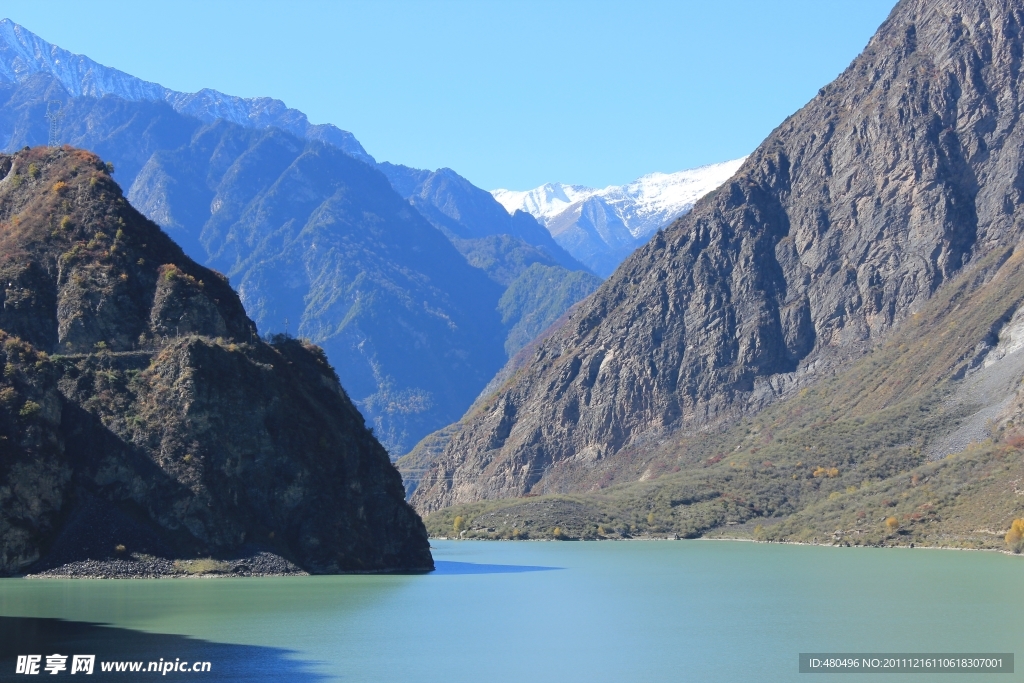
(600, 227)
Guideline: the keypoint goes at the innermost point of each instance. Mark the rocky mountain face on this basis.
(141, 415)
(601, 227)
(852, 215)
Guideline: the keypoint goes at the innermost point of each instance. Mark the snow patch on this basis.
(643, 206)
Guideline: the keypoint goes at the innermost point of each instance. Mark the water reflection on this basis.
(445, 567)
(229, 663)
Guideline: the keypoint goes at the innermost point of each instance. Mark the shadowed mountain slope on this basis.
(140, 415)
(841, 225)
(541, 280)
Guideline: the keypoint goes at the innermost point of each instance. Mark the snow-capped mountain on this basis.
(600, 227)
(24, 54)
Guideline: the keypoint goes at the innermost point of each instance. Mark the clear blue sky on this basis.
(508, 93)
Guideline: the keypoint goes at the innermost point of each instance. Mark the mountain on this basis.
(541, 279)
(24, 55)
(603, 227)
(143, 421)
(888, 208)
(382, 288)
(465, 212)
(319, 242)
(316, 240)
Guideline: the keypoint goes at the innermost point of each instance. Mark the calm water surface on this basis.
(534, 612)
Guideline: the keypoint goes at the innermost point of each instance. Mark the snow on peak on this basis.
(23, 54)
(643, 205)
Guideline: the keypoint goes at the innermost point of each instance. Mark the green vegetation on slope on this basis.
(537, 298)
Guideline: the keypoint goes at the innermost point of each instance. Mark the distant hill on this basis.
(143, 421)
(601, 227)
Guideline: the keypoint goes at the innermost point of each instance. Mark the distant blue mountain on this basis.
(24, 54)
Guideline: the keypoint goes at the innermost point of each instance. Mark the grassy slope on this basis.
(864, 432)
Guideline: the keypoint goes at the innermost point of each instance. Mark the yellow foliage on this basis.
(1016, 533)
(459, 524)
(830, 472)
(60, 187)
(892, 524)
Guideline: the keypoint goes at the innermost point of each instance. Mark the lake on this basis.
(495, 612)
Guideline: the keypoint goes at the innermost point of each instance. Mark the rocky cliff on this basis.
(834, 232)
(141, 415)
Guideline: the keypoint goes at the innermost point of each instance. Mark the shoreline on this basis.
(733, 540)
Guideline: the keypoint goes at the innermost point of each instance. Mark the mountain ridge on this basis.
(22, 54)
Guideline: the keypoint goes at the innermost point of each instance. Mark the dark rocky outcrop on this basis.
(852, 214)
(141, 415)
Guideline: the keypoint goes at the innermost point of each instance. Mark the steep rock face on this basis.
(138, 408)
(849, 216)
(262, 205)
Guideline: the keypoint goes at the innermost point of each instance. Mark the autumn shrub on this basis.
(892, 524)
(30, 409)
(1015, 536)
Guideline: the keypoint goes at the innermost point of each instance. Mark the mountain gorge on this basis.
(876, 212)
(142, 420)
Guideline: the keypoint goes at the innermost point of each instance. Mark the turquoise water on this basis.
(535, 612)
